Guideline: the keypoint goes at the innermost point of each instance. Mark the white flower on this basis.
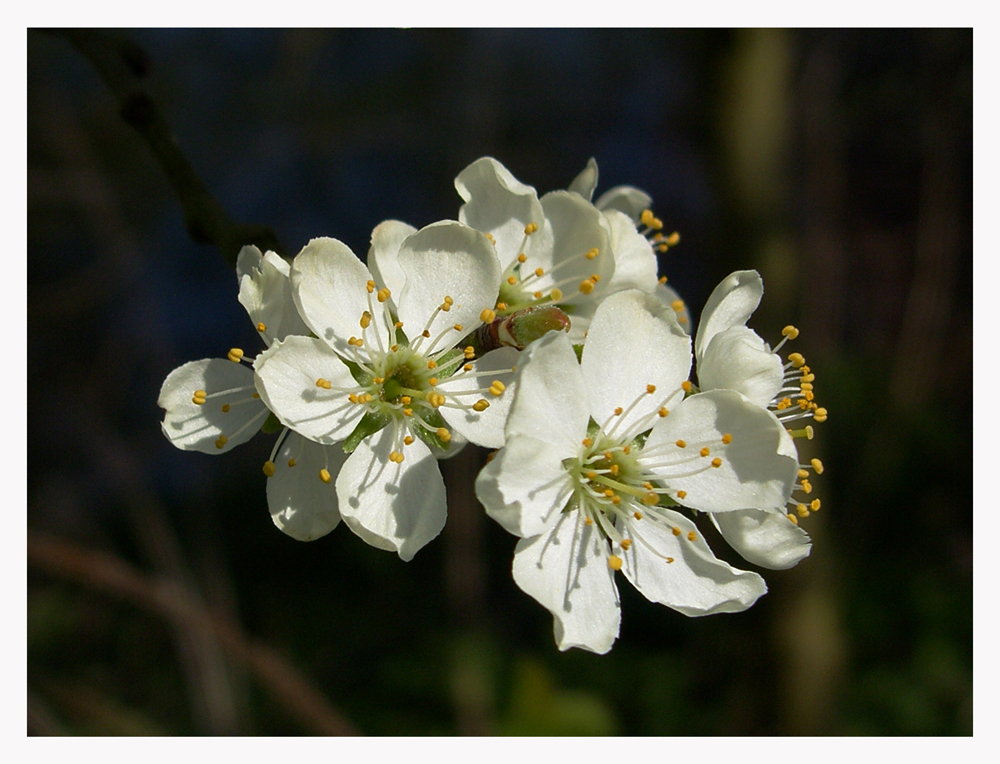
(731, 356)
(636, 236)
(383, 375)
(212, 404)
(553, 251)
(599, 452)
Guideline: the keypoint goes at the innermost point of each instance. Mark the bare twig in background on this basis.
(123, 65)
(109, 575)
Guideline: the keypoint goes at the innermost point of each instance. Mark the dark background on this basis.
(161, 599)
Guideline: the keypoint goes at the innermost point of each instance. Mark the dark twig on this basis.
(123, 65)
(109, 575)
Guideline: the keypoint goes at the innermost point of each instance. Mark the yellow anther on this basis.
(437, 400)
(200, 394)
(470, 352)
(291, 462)
(676, 531)
(448, 301)
(650, 498)
(530, 228)
(681, 443)
(802, 510)
(807, 487)
(803, 474)
(817, 465)
(370, 286)
(692, 536)
(820, 415)
(705, 451)
(396, 457)
(490, 237)
(656, 224)
(497, 387)
(618, 410)
(793, 518)
(355, 342)
(426, 333)
(626, 543)
(615, 562)
(444, 434)
(682, 494)
(383, 294)
(586, 286)
(235, 355)
(595, 277)
(626, 449)
(591, 254)
(590, 474)
(539, 271)
(352, 397)
(398, 325)
(394, 348)
(432, 381)
(501, 306)
(537, 295)
(512, 280)
(324, 383)
(587, 442)
(673, 239)
(406, 400)
(431, 364)
(268, 468)
(810, 433)
(199, 398)
(225, 408)
(366, 320)
(663, 412)
(806, 386)
(458, 327)
(609, 493)
(646, 217)
(522, 257)
(587, 521)
(783, 404)
(677, 305)
(814, 505)
(607, 455)
(727, 438)
(487, 316)
(717, 462)
(261, 326)
(408, 440)
(808, 377)
(467, 367)
(662, 279)
(682, 319)
(637, 515)
(378, 380)
(808, 395)
(669, 560)
(686, 386)
(803, 404)
(480, 405)
(613, 469)
(796, 359)
(255, 395)
(555, 295)
(791, 332)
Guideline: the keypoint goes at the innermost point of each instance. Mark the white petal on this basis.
(625, 199)
(567, 572)
(694, 582)
(551, 402)
(634, 341)
(764, 537)
(453, 260)
(300, 502)
(383, 255)
(525, 486)
(484, 428)
(635, 262)
(195, 427)
(329, 287)
(753, 473)
(392, 506)
(573, 228)
(266, 293)
(286, 379)
(585, 183)
(499, 204)
(737, 359)
(731, 303)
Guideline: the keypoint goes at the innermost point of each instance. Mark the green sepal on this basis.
(360, 375)
(578, 349)
(271, 424)
(444, 364)
(370, 423)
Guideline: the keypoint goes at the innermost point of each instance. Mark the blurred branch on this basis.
(123, 65)
(109, 575)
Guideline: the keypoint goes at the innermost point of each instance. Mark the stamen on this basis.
(615, 562)
(235, 355)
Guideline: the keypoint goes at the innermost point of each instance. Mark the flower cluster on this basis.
(537, 327)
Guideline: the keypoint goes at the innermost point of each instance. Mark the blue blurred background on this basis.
(162, 600)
